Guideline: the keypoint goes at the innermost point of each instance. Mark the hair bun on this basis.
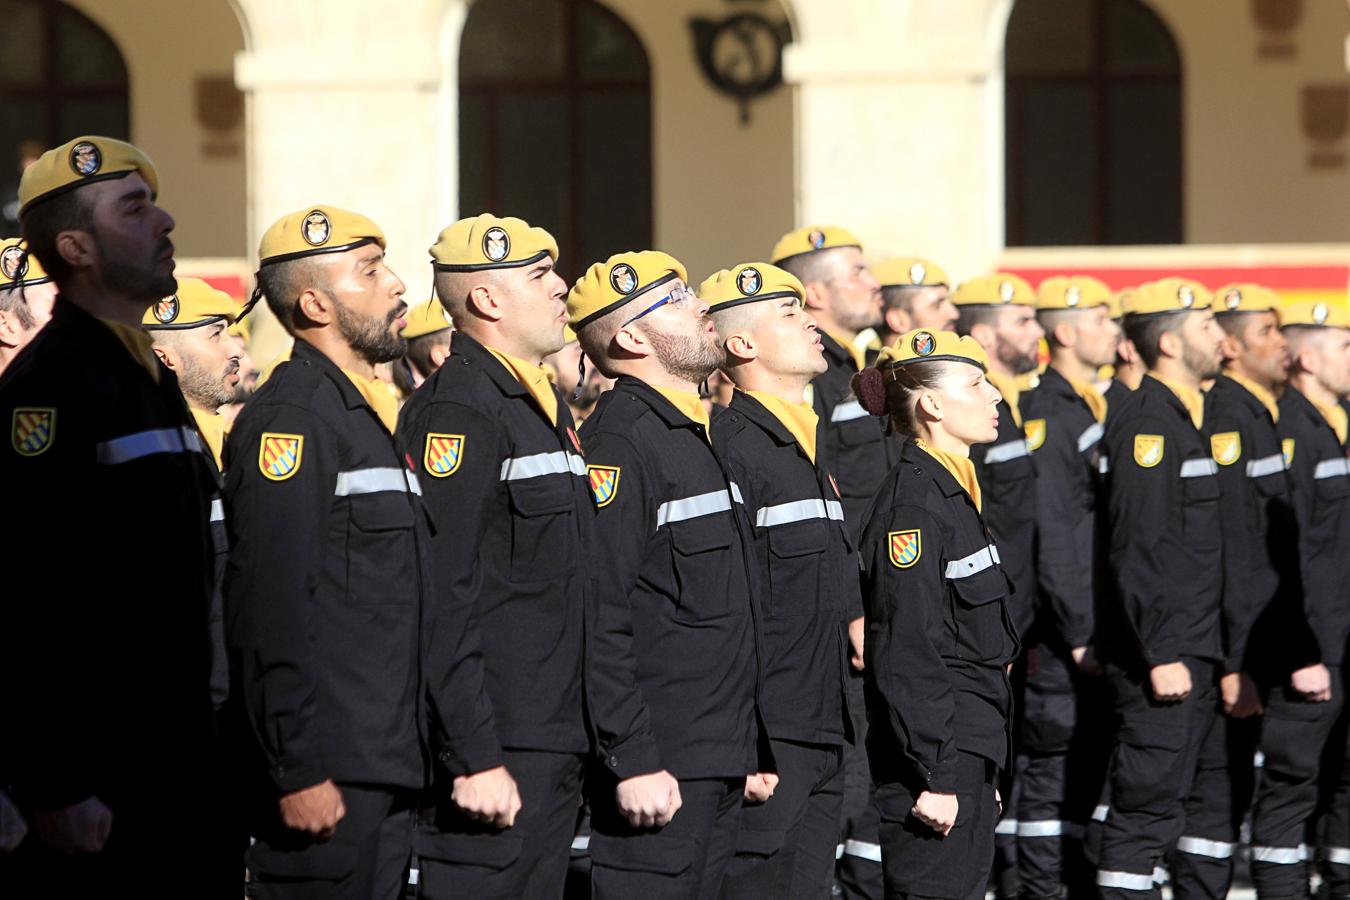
(869, 386)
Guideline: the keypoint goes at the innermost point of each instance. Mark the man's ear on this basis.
(1231, 346)
(317, 306)
(439, 355)
(484, 302)
(741, 346)
(984, 335)
(631, 341)
(897, 320)
(1170, 344)
(77, 248)
(816, 296)
(1065, 334)
(168, 356)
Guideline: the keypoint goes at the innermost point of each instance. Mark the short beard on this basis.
(370, 336)
(138, 282)
(204, 388)
(1017, 363)
(1198, 364)
(690, 359)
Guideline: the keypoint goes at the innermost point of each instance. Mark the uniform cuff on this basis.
(465, 757)
(291, 775)
(632, 758)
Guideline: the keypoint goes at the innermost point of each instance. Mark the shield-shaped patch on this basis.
(905, 547)
(1287, 446)
(604, 484)
(1226, 447)
(32, 430)
(444, 453)
(1148, 449)
(279, 455)
(1035, 430)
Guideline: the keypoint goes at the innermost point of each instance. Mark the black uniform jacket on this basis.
(939, 633)
(1320, 478)
(1259, 537)
(327, 594)
(1007, 478)
(1067, 456)
(220, 546)
(808, 569)
(104, 657)
(674, 666)
(1166, 549)
(509, 496)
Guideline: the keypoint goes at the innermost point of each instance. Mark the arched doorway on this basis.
(555, 124)
(1093, 117)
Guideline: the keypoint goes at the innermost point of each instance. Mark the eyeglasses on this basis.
(678, 298)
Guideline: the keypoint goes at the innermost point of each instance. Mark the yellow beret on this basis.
(426, 318)
(608, 285)
(928, 346)
(314, 230)
(910, 273)
(1118, 301)
(813, 238)
(748, 283)
(18, 267)
(194, 303)
(1167, 295)
(1316, 314)
(84, 160)
(1072, 292)
(1240, 298)
(994, 290)
(490, 242)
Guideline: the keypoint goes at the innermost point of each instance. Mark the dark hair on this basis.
(420, 348)
(901, 296)
(281, 284)
(895, 391)
(818, 266)
(1146, 332)
(41, 223)
(967, 317)
(13, 300)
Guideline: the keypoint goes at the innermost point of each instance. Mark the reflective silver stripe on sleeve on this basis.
(217, 510)
(1280, 856)
(1044, 828)
(1103, 466)
(560, 462)
(581, 843)
(1128, 881)
(736, 492)
(798, 511)
(975, 562)
(1266, 465)
(693, 507)
(147, 443)
(1089, 438)
(376, 481)
(1006, 826)
(1099, 812)
(1010, 450)
(1337, 856)
(1199, 468)
(848, 411)
(1198, 846)
(863, 850)
(1331, 468)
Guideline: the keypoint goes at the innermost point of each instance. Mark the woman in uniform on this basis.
(939, 639)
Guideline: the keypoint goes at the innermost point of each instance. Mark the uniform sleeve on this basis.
(278, 530)
(460, 505)
(906, 617)
(1320, 622)
(624, 739)
(1065, 535)
(1241, 521)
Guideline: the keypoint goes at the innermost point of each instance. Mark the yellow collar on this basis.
(381, 399)
(1266, 397)
(1336, 417)
(798, 418)
(1091, 396)
(534, 379)
(962, 469)
(690, 404)
(212, 427)
(1190, 398)
(1011, 393)
(138, 344)
(859, 354)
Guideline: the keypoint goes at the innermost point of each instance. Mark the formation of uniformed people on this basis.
(482, 597)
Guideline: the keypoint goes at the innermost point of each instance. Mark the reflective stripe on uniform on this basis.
(693, 507)
(975, 562)
(799, 511)
(147, 443)
(376, 481)
(1043, 828)
(1198, 846)
(217, 510)
(1281, 856)
(1088, 438)
(1125, 880)
(1103, 466)
(1001, 453)
(848, 411)
(863, 850)
(1199, 468)
(1266, 465)
(581, 843)
(1330, 468)
(1006, 826)
(1337, 856)
(560, 462)
(1099, 812)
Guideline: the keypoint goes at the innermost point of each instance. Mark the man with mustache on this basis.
(915, 293)
(27, 296)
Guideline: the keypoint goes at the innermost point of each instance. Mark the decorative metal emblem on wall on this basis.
(1277, 20)
(1326, 124)
(742, 55)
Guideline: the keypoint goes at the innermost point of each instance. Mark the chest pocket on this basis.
(701, 551)
(381, 543)
(978, 617)
(1200, 512)
(797, 567)
(541, 508)
(1005, 470)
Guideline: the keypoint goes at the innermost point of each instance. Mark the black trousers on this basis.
(917, 861)
(1333, 828)
(686, 859)
(858, 868)
(786, 845)
(460, 857)
(366, 859)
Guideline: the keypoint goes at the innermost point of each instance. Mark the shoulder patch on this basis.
(1287, 446)
(604, 484)
(32, 429)
(905, 547)
(1035, 432)
(1226, 447)
(279, 455)
(1148, 449)
(443, 454)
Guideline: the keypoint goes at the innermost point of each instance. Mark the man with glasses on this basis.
(674, 668)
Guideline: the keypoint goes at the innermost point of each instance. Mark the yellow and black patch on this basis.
(1226, 447)
(1035, 432)
(905, 547)
(32, 430)
(1287, 446)
(279, 455)
(1148, 449)
(443, 454)
(604, 484)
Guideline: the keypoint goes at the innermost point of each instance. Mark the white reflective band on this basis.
(863, 850)
(848, 411)
(693, 507)
(413, 876)
(559, 462)
(1258, 760)
(581, 843)
(217, 510)
(1282, 856)
(376, 481)
(838, 851)
(1330, 468)
(1001, 453)
(1266, 465)
(798, 511)
(1337, 856)
(1160, 875)
(1088, 438)
(736, 492)
(147, 443)
(1099, 812)
(1198, 846)
(1006, 826)
(975, 562)
(1126, 880)
(1103, 466)
(1046, 828)
(1199, 468)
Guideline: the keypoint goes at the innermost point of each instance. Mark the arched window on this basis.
(555, 124)
(1093, 125)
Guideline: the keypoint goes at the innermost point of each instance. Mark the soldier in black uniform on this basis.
(1307, 693)
(673, 664)
(109, 730)
(939, 634)
(328, 592)
(915, 293)
(1059, 765)
(768, 439)
(1128, 369)
(27, 295)
(845, 300)
(504, 478)
(1159, 635)
(428, 336)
